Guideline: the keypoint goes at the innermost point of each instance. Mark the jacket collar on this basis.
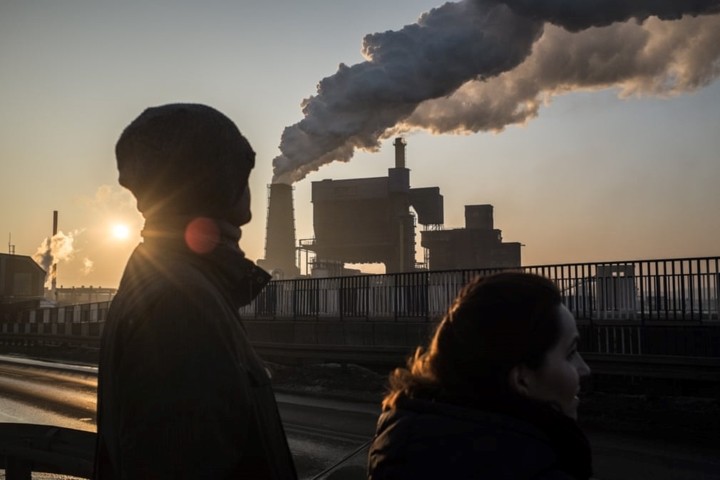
(210, 244)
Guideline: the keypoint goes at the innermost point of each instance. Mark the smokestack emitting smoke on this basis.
(52, 250)
(53, 273)
(481, 65)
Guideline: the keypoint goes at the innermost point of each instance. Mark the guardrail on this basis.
(691, 339)
(656, 366)
(27, 448)
(698, 368)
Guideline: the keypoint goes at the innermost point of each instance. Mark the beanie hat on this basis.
(184, 159)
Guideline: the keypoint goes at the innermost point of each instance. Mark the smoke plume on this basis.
(88, 266)
(53, 250)
(483, 64)
(575, 16)
(655, 58)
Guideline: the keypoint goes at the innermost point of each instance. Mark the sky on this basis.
(600, 166)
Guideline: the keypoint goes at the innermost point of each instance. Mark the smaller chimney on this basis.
(399, 152)
(53, 268)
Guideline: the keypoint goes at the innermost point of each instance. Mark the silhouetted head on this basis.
(186, 160)
(505, 335)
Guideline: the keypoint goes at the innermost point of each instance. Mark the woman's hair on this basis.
(494, 324)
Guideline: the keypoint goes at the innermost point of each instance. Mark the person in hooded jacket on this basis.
(181, 393)
(495, 393)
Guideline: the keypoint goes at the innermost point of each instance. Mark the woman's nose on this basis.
(583, 368)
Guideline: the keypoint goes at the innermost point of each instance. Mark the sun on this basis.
(120, 231)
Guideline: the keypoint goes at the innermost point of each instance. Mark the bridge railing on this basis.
(642, 290)
(684, 290)
(650, 307)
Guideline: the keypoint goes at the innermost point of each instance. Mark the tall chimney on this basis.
(399, 152)
(53, 268)
(280, 235)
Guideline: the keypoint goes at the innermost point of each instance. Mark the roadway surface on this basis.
(320, 431)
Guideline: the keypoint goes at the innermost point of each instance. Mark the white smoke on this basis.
(477, 41)
(88, 266)
(53, 250)
(110, 199)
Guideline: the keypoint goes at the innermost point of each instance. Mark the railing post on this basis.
(396, 296)
(426, 295)
(642, 295)
(366, 285)
(341, 298)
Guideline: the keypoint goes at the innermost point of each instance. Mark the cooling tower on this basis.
(280, 235)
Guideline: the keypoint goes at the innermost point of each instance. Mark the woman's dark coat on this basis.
(423, 439)
(181, 393)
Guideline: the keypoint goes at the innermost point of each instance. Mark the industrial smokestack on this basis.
(52, 250)
(399, 152)
(53, 272)
(280, 236)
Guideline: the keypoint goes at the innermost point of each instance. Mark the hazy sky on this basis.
(601, 173)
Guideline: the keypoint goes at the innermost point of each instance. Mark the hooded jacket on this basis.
(181, 393)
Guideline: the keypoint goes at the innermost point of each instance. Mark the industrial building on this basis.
(21, 282)
(478, 245)
(374, 220)
(369, 220)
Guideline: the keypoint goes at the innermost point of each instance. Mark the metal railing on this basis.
(643, 290)
(649, 307)
(670, 290)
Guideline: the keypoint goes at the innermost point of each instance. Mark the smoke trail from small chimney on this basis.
(473, 41)
(52, 250)
(88, 266)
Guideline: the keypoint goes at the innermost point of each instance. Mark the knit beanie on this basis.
(184, 160)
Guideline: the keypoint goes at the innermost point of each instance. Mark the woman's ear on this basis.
(518, 380)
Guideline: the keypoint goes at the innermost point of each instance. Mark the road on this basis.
(322, 431)
(320, 434)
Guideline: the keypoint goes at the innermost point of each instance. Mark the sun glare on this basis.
(120, 232)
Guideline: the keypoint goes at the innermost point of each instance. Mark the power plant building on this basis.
(368, 220)
(373, 220)
(478, 245)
